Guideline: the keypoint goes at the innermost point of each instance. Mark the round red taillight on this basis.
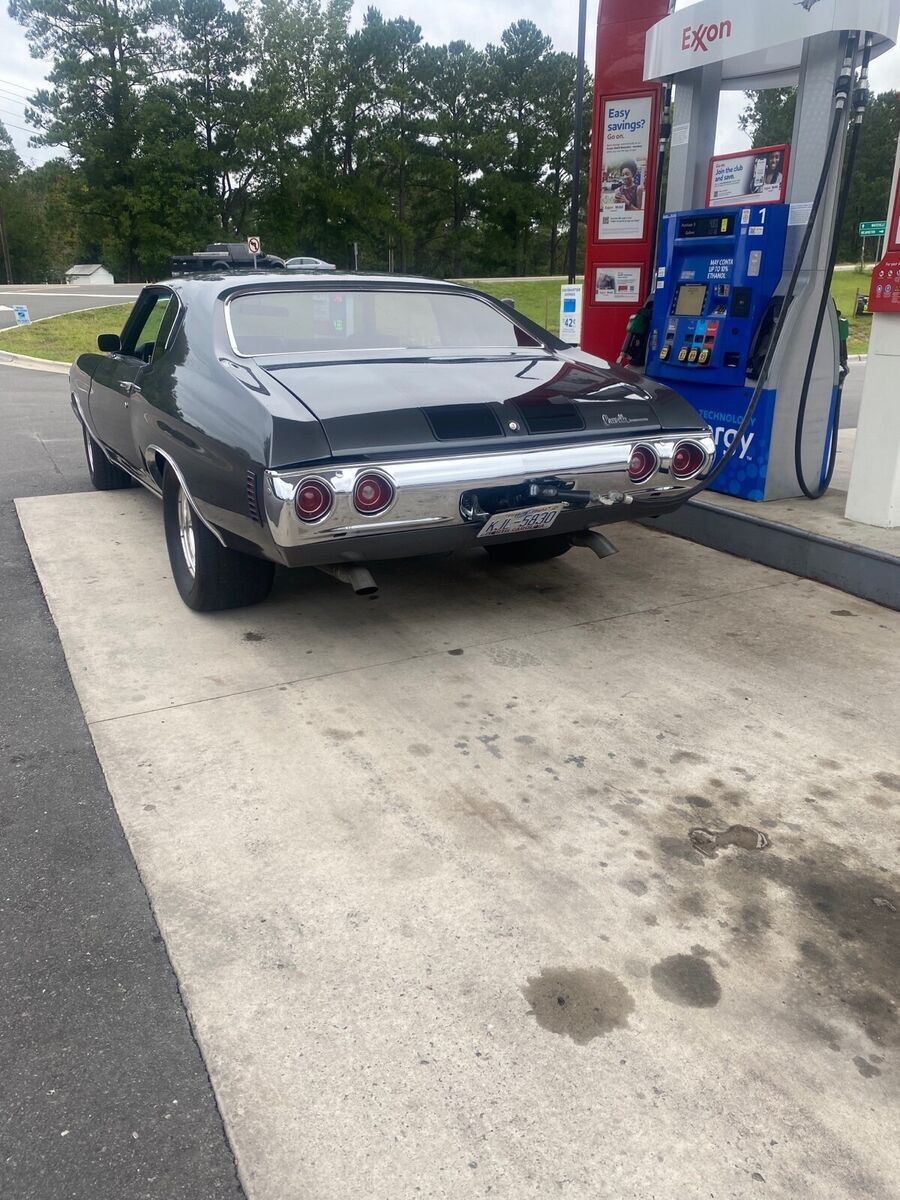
(642, 464)
(372, 494)
(313, 499)
(687, 460)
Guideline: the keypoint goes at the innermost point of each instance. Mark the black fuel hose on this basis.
(860, 104)
(842, 93)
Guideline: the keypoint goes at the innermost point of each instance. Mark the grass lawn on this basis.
(844, 288)
(62, 339)
(539, 300)
(536, 298)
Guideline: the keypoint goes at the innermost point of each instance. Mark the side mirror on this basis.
(109, 343)
(509, 303)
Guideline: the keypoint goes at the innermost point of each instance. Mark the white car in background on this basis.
(309, 264)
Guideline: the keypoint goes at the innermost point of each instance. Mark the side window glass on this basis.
(143, 338)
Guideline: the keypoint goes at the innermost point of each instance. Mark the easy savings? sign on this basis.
(623, 170)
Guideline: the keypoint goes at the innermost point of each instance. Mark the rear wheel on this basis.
(105, 476)
(208, 575)
(533, 550)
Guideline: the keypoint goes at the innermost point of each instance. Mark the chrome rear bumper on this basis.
(429, 491)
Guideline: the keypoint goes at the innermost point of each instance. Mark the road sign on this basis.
(254, 245)
(872, 228)
(22, 317)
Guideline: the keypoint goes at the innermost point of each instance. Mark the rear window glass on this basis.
(329, 319)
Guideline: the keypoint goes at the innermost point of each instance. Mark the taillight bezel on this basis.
(385, 482)
(327, 492)
(700, 460)
(653, 455)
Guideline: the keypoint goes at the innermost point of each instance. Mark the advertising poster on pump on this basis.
(751, 177)
(623, 168)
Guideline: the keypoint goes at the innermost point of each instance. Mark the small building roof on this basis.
(85, 268)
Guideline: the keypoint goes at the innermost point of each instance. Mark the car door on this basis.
(118, 378)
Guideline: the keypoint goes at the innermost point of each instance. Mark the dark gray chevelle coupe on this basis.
(333, 421)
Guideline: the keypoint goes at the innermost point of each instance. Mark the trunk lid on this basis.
(439, 405)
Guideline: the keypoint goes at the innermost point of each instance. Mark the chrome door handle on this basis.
(129, 388)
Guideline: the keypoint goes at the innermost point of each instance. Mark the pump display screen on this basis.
(690, 300)
(704, 227)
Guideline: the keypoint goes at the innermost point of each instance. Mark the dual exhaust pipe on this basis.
(362, 582)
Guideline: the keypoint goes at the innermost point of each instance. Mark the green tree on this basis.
(870, 190)
(768, 119)
(454, 82)
(104, 55)
(10, 168)
(212, 57)
(513, 147)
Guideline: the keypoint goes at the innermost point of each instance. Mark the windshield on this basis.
(329, 319)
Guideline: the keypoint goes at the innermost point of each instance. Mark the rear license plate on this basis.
(523, 520)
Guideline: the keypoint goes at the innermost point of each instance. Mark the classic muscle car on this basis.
(336, 421)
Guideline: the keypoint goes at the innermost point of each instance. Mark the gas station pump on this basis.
(714, 309)
(742, 323)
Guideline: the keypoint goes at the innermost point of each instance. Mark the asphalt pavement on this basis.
(52, 300)
(103, 1092)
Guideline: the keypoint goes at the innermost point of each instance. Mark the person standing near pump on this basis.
(631, 192)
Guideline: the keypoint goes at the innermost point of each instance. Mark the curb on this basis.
(8, 359)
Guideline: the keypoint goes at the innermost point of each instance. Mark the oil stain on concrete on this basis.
(578, 1003)
(687, 980)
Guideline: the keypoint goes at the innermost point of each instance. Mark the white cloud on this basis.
(20, 74)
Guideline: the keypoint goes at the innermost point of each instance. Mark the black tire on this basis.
(220, 266)
(532, 550)
(105, 476)
(220, 578)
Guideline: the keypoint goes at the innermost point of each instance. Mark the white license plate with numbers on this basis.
(523, 520)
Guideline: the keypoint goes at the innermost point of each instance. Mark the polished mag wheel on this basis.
(208, 575)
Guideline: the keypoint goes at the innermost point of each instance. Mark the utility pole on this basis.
(576, 155)
(4, 249)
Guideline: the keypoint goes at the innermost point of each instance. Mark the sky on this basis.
(475, 21)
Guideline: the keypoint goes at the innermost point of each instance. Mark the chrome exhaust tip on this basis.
(592, 540)
(359, 578)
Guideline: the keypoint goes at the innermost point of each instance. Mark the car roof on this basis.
(220, 281)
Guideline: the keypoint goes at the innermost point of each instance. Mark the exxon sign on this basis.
(701, 37)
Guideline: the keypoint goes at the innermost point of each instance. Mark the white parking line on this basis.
(74, 295)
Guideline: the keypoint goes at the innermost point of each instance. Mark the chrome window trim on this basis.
(159, 289)
(327, 355)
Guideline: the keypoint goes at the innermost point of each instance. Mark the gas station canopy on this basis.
(759, 45)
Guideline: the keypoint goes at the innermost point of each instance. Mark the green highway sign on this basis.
(872, 228)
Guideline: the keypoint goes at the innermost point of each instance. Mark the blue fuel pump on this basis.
(715, 309)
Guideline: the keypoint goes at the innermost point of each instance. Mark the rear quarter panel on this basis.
(218, 419)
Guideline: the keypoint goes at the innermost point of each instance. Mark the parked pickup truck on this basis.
(223, 256)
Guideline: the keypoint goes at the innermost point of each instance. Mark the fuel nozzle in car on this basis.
(634, 348)
(558, 489)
